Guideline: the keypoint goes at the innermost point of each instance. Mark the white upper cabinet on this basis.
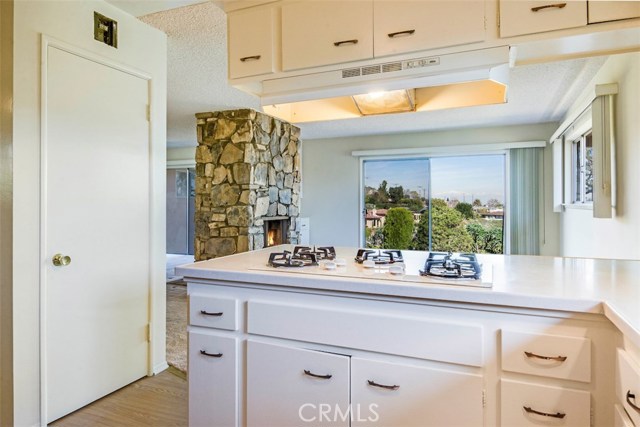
(252, 37)
(413, 25)
(528, 17)
(316, 33)
(602, 11)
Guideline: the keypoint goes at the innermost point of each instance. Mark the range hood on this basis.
(477, 77)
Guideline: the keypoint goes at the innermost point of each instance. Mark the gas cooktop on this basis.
(459, 269)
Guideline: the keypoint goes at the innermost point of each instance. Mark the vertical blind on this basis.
(525, 200)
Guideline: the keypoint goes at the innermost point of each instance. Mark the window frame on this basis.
(461, 151)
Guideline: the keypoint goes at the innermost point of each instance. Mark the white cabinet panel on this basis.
(620, 418)
(212, 312)
(316, 33)
(251, 41)
(395, 395)
(602, 11)
(628, 385)
(213, 380)
(526, 404)
(526, 17)
(552, 356)
(418, 337)
(289, 387)
(412, 25)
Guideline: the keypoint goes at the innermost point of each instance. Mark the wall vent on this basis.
(351, 72)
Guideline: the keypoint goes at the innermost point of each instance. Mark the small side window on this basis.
(582, 169)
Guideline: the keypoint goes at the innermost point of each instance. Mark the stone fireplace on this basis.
(247, 182)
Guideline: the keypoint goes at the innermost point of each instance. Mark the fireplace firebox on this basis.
(276, 231)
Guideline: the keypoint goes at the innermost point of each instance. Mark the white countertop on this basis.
(609, 287)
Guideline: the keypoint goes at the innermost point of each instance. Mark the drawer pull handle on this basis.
(401, 33)
(250, 58)
(206, 313)
(544, 414)
(322, 377)
(537, 356)
(387, 387)
(340, 43)
(632, 396)
(204, 353)
(548, 6)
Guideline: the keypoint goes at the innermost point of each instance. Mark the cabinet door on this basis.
(316, 33)
(519, 17)
(289, 387)
(602, 11)
(412, 25)
(251, 34)
(213, 380)
(390, 395)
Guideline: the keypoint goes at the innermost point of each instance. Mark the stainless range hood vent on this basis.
(389, 67)
(351, 72)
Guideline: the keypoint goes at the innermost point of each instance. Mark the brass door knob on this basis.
(60, 260)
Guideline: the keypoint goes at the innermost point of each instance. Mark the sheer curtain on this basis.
(525, 200)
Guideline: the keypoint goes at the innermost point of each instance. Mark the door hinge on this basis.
(148, 332)
(148, 112)
(484, 398)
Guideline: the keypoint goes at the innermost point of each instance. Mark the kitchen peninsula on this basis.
(551, 339)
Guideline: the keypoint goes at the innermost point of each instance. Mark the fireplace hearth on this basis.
(276, 231)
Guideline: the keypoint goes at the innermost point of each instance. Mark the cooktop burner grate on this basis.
(320, 252)
(379, 257)
(446, 265)
(286, 259)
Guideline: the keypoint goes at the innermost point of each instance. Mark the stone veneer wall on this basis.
(247, 169)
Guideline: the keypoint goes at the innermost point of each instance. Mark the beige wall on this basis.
(6, 218)
(618, 237)
(330, 175)
(140, 47)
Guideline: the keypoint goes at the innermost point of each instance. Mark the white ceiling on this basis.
(197, 82)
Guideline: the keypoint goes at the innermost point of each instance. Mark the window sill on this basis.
(582, 206)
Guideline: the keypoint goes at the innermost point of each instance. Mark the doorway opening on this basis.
(180, 218)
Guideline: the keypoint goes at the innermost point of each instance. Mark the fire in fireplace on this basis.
(276, 230)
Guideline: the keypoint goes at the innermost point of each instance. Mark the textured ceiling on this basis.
(197, 82)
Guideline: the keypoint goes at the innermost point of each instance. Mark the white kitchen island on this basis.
(554, 341)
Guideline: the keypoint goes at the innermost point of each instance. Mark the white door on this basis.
(95, 211)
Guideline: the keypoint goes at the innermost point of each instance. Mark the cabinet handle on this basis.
(204, 353)
(250, 58)
(206, 313)
(401, 33)
(632, 396)
(537, 356)
(311, 374)
(387, 387)
(340, 43)
(548, 6)
(544, 414)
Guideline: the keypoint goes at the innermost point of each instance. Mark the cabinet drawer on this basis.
(620, 418)
(221, 313)
(213, 380)
(410, 25)
(552, 356)
(525, 404)
(602, 11)
(287, 385)
(251, 40)
(628, 385)
(410, 396)
(385, 333)
(526, 17)
(316, 33)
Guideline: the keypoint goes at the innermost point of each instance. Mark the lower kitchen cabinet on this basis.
(289, 387)
(393, 394)
(213, 380)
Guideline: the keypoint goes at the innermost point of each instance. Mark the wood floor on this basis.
(158, 401)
